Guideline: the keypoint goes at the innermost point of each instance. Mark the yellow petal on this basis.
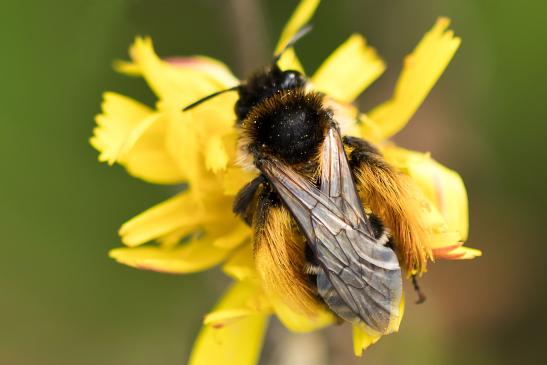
(422, 68)
(234, 237)
(221, 318)
(444, 201)
(127, 68)
(191, 257)
(290, 61)
(215, 69)
(362, 339)
(179, 85)
(202, 140)
(235, 178)
(119, 118)
(254, 303)
(241, 265)
(349, 70)
(456, 252)
(299, 18)
(299, 322)
(216, 157)
(467, 253)
(185, 146)
(178, 82)
(179, 212)
(238, 342)
(129, 132)
(442, 239)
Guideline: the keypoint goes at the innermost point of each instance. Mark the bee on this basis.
(333, 223)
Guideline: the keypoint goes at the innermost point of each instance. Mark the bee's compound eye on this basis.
(292, 79)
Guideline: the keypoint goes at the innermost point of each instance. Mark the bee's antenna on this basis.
(421, 295)
(299, 35)
(210, 96)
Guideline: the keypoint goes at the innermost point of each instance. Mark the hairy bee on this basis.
(333, 222)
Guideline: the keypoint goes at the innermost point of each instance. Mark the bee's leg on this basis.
(243, 202)
(390, 196)
(279, 251)
(421, 295)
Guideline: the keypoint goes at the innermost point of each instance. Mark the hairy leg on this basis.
(389, 195)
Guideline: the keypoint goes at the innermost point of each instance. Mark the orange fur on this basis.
(389, 195)
(280, 259)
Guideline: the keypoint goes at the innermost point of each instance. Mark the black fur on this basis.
(263, 85)
(293, 128)
(377, 226)
(245, 197)
(363, 153)
(267, 199)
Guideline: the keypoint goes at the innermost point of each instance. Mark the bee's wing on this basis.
(359, 279)
(337, 182)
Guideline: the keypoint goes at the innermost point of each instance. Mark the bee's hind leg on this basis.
(421, 295)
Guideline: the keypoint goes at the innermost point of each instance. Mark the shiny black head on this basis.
(263, 85)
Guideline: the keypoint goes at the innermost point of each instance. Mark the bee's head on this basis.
(263, 85)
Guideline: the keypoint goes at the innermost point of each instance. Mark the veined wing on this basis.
(337, 181)
(359, 279)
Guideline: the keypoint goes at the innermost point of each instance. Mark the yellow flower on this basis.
(196, 229)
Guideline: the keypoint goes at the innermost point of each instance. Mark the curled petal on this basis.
(299, 18)
(421, 70)
(129, 133)
(349, 70)
(456, 252)
(232, 340)
(445, 200)
(191, 257)
(441, 186)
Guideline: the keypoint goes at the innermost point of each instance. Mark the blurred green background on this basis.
(63, 301)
